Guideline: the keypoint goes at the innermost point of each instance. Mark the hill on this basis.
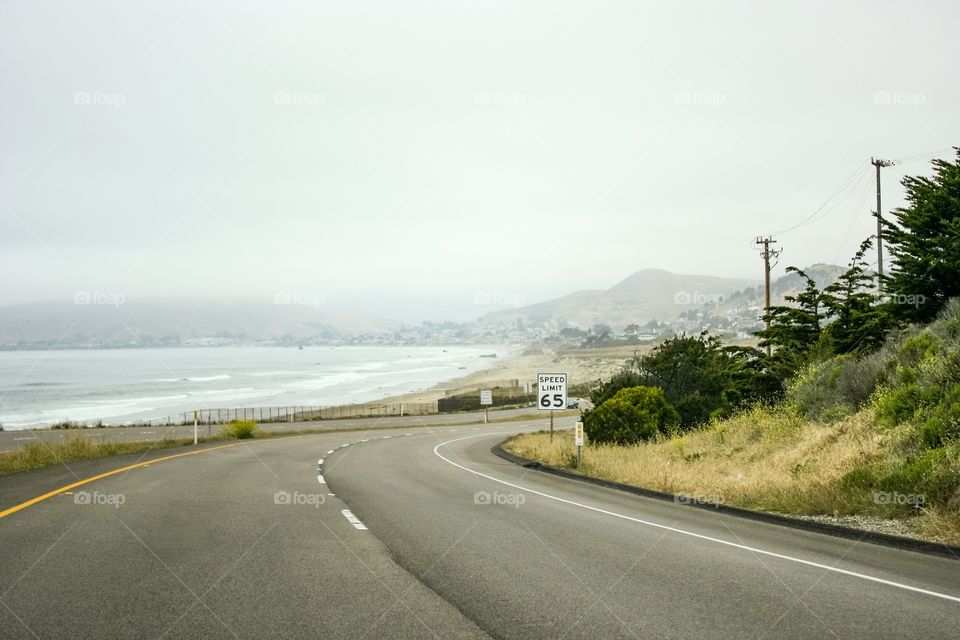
(170, 322)
(654, 294)
(648, 294)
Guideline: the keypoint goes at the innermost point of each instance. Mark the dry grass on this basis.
(761, 458)
(765, 458)
(40, 454)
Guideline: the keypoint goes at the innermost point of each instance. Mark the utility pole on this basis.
(877, 162)
(767, 253)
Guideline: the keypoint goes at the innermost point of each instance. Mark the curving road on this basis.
(424, 534)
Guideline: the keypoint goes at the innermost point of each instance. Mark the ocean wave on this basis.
(222, 376)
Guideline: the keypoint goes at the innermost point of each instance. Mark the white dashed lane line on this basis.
(354, 520)
(320, 479)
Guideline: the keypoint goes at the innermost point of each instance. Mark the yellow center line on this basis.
(50, 494)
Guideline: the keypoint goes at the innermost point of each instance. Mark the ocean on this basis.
(130, 385)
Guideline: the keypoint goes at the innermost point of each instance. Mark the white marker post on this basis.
(551, 394)
(578, 440)
(194, 427)
(486, 399)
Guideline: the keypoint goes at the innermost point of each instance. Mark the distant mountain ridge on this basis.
(653, 294)
(102, 321)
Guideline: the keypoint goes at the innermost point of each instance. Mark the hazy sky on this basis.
(422, 153)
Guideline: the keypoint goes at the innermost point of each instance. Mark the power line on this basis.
(846, 184)
(853, 219)
(922, 156)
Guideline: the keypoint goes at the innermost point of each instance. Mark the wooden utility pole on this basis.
(876, 162)
(767, 253)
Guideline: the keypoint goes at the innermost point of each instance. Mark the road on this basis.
(13, 439)
(423, 533)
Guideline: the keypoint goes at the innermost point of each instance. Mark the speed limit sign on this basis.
(551, 391)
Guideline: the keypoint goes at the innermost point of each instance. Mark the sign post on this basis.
(551, 394)
(194, 427)
(486, 399)
(578, 440)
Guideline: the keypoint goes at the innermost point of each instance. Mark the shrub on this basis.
(815, 392)
(859, 378)
(943, 426)
(928, 474)
(632, 415)
(896, 406)
(240, 429)
(66, 424)
(914, 349)
(623, 379)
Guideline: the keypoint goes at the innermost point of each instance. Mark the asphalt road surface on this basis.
(423, 533)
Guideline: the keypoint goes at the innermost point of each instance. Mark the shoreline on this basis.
(582, 366)
(522, 364)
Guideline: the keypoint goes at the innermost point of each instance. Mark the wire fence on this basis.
(296, 413)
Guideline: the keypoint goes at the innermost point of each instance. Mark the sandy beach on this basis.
(581, 366)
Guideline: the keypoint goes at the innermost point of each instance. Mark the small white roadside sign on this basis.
(578, 434)
(486, 397)
(551, 391)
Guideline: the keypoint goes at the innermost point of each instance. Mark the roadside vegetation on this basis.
(855, 412)
(35, 455)
(240, 430)
(40, 454)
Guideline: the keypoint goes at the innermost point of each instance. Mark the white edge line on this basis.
(354, 520)
(700, 536)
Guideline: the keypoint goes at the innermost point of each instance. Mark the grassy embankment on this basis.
(877, 436)
(42, 454)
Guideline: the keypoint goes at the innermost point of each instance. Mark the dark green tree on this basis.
(858, 324)
(795, 329)
(923, 240)
(699, 376)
